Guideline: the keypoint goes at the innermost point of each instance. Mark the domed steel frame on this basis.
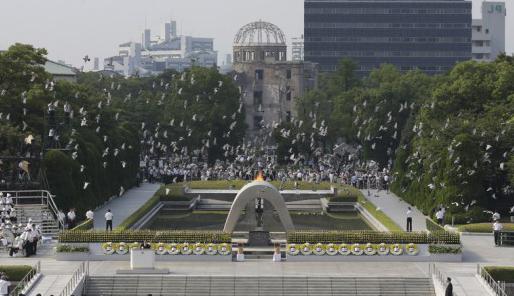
(260, 42)
(259, 33)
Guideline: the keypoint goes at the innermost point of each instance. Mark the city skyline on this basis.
(96, 28)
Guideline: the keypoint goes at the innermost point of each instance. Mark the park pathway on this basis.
(396, 209)
(123, 206)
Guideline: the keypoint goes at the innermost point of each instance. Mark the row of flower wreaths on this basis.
(292, 249)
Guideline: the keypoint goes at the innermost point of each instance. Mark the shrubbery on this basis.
(144, 235)
(15, 273)
(373, 237)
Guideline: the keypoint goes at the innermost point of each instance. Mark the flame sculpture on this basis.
(259, 177)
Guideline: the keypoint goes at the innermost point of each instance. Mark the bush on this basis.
(71, 249)
(501, 273)
(433, 226)
(444, 249)
(73, 236)
(483, 227)
(374, 237)
(15, 273)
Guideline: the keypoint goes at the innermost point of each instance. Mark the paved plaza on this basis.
(396, 209)
(123, 206)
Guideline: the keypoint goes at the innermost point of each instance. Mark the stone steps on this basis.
(247, 286)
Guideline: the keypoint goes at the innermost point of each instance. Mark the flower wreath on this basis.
(293, 249)
(382, 249)
(224, 249)
(396, 249)
(198, 249)
(306, 249)
(134, 245)
(370, 249)
(173, 249)
(357, 250)
(344, 250)
(161, 249)
(331, 250)
(411, 249)
(185, 249)
(211, 249)
(319, 249)
(122, 249)
(108, 248)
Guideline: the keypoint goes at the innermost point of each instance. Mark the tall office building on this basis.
(410, 34)
(489, 32)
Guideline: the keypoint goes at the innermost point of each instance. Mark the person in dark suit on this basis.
(449, 288)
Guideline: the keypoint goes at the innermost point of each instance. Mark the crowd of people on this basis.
(183, 168)
(18, 238)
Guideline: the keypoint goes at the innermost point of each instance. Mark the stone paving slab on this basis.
(125, 205)
(396, 209)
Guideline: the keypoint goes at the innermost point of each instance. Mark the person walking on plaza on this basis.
(449, 288)
(108, 220)
(409, 219)
(497, 228)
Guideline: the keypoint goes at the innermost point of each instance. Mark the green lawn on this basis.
(15, 273)
(379, 215)
(483, 227)
(238, 184)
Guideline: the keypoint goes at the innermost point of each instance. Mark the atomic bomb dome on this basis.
(260, 41)
(259, 33)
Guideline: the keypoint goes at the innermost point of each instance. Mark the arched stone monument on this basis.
(251, 191)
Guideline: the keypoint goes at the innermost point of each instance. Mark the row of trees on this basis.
(94, 150)
(447, 139)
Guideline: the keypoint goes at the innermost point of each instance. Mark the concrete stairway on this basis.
(40, 215)
(248, 286)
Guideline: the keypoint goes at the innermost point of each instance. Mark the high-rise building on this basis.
(168, 51)
(410, 34)
(297, 48)
(488, 35)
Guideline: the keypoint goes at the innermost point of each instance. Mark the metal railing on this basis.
(497, 287)
(44, 197)
(36, 269)
(439, 276)
(78, 276)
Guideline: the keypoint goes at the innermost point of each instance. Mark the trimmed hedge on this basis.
(433, 226)
(72, 236)
(444, 249)
(501, 273)
(86, 225)
(374, 237)
(71, 249)
(483, 227)
(15, 273)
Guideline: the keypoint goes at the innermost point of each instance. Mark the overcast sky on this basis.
(70, 29)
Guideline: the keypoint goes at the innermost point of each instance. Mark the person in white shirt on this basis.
(439, 215)
(71, 219)
(90, 215)
(108, 220)
(409, 219)
(4, 286)
(497, 228)
(61, 216)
